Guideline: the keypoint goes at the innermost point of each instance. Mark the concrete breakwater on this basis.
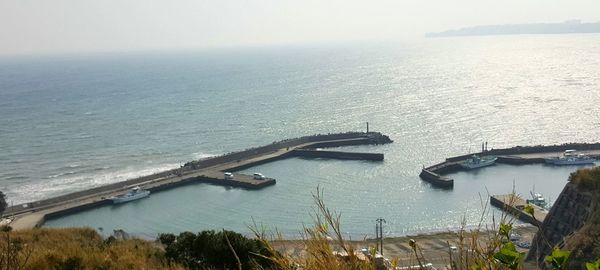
(208, 170)
(518, 155)
(315, 141)
(515, 206)
(436, 179)
(308, 153)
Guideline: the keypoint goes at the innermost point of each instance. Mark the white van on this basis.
(259, 176)
(228, 175)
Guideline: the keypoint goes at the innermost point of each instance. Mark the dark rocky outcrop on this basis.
(573, 223)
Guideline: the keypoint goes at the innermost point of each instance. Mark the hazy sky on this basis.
(59, 26)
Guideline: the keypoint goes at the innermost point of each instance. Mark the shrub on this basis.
(219, 250)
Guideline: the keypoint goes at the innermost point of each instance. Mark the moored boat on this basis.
(135, 193)
(538, 199)
(477, 162)
(570, 157)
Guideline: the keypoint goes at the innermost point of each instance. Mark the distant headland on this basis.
(567, 27)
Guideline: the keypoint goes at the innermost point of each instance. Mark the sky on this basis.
(74, 26)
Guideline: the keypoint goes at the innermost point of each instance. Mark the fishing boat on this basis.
(135, 193)
(477, 162)
(538, 199)
(570, 157)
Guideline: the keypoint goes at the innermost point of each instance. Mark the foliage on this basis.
(587, 179)
(559, 259)
(529, 210)
(509, 256)
(584, 244)
(219, 250)
(80, 248)
(593, 265)
(505, 229)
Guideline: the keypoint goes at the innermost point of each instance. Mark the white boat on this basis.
(538, 199)
(477, 162)
(135, 193)
(570, 157)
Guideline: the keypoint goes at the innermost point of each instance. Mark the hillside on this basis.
(80, 248)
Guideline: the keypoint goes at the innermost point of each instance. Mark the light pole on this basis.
(379, 233)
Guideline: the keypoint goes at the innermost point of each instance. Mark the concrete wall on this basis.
(337, 155)
(568, 214)
(436, 179)
(531, 150)
(518, 160)
(220, 182)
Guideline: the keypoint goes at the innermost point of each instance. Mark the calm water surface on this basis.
(74, 122)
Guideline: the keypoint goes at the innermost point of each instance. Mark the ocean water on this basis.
(74, 122)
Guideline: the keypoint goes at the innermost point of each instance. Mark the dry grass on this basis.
(587, 180)
(323, 243)
(80, 248)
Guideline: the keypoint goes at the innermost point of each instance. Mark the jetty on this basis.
(515, 205)
(208, 170)
(518, 155)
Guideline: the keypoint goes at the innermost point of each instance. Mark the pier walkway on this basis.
(514, 205)
(208, 170)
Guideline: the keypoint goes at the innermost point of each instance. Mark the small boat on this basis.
(477, 162)
(135, 193)
(570, 157)
(538, 199)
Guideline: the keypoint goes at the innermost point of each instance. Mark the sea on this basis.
(74, 122)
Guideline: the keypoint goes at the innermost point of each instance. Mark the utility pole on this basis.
(376, 236)
(367, 127)
(379, 233)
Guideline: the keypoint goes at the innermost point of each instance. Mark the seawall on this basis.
(573, 209)
(315, 141)
(436, 180)
(517, 155)
(308, 153)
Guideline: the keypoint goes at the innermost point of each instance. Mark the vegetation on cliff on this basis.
(585, 243)
(216, 250)
(80, 248)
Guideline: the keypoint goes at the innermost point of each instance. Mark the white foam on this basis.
(200, 155)
(67, 182)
